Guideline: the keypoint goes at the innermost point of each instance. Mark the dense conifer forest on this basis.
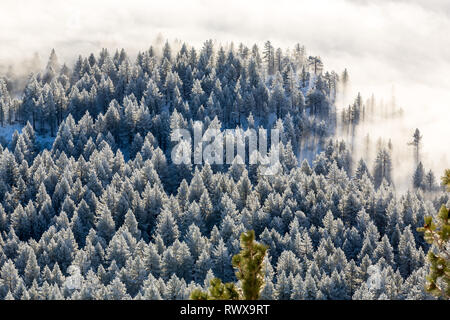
(92, 205)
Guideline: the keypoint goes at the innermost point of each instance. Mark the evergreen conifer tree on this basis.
(249, 265)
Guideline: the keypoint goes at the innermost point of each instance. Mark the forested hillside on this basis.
(93, 207)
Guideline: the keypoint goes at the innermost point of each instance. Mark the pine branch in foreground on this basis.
(249, 265)
(438, 280)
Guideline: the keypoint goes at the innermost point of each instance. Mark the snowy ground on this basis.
(46, 141)
(6, 133)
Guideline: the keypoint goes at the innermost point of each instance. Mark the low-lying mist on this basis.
(423, 108)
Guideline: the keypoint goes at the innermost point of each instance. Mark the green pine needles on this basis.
(249, 263)
(249, 266)
(446, 179)
(438, 280)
